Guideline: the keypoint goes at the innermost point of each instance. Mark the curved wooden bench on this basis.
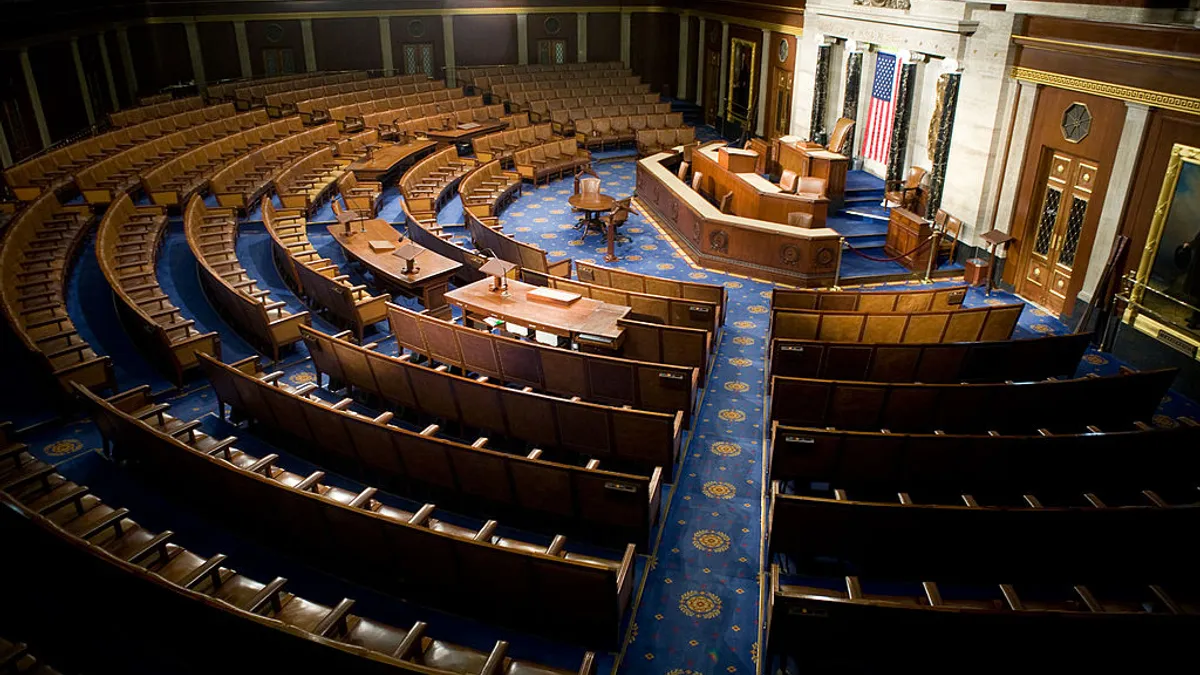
(281, 104)
(528, 256)
(977, 324)
(563, 372)
(647, 307)
(903, 300)
(1004, 407)
(424, 231)
(304, 183)
(354, 115)
(935, 363)
(139, 114)
(603, 506)
(487, 189)
(254, 94)
(127, 246)
(1053, 625)
(645, 283)
(315, 278)
(638, 439)
(1024, 538)
(316, 110)
(549, 589)
(1076, 460)
(556, 158)
(243, 181)
(212, 236)
(36, 252)
(426, 185)
(95, 558)
(502, 144)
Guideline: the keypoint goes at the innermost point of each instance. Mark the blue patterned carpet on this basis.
(698, 606)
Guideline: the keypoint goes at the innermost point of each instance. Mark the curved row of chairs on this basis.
(549, 589)
(427, 184)
(629, 90)
(253, 94)
(881, 300)
(304, 183)
(524, 72)
(986, 323)
(424, 230)
(37, 251)
(316, 278)
(243, 181)
(612, 277)
(502, 144)
(144, 113)
(486, 236)
(487, 189)
(600, 132)
(97, 558)
(305, 101)
(644, 117)
(556, 158)
(27, 179)
(432, 101)
(212, 236)
(647, 307)
(101, 182)
(127, 245)
(622, 104)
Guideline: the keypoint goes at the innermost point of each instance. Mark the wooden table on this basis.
(458, 135)
(582, 317)
(430, 280)
(592, 206)
(383, 161)
(906, 232)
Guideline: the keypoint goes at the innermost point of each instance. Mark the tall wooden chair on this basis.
(906, 194)
(839, 138)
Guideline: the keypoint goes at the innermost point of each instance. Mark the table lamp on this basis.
(408, 252)
(498, 270)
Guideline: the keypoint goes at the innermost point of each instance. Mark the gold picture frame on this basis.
(1164, 293)
(739, 93)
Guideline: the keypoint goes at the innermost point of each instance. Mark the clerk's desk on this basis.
(732, 170)
(810, 159)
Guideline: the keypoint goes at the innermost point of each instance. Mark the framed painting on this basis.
(743, 64)
(1165, 293)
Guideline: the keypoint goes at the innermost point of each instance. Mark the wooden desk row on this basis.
(753, 196)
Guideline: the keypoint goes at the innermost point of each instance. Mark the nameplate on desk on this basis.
(553, 296)
(698, 309)
(791, 348)
(620, 487)
(670, 376)
(467, 126)
(805, 440)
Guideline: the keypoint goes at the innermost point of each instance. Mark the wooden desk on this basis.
(753, 196)
(458, 135)
(737, 160)
(817, 162)
(431, 279)
(584, 316)
(906, 231)
(592, 206)
(385, 160)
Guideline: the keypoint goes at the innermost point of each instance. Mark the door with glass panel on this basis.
(418, 58)
(1059, 229)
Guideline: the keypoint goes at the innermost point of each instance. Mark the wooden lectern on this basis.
(737, 160)
(994, 238)
(906, 232)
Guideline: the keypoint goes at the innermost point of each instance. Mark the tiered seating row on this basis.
(628, 90)
(317, 110)
(304, 183)
(424, 230)
(254, 94)
(98, 557)
(528, 256)
(562, 372)
(426, 184)
(996, 361)
(350, 113)
(101, 182)
(650, 142)
(315, 278)
(212, 236)
(124, 118)
(647, 307)
(877, 301)
(286, 103)
(639, 439)
(127, 247)
(627, 129)
(546, 588)
(29, 178)
(556, 158)
(644, 283)
(226, 91)
(487, 189)
(173, 182)
(1005, 407)
(512, 74)
(503, 144)
(36, 253)
(421, 126)
(243, 181)
(992, 322)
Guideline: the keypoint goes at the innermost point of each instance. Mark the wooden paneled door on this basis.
(1065, 219)
(780, 101)
(712, 82)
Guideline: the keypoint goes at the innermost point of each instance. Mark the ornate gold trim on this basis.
(754, 68)
(1106, 48)
(1179, 154)
(1157, 99)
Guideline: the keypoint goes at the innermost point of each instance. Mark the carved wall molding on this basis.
(1157, 99)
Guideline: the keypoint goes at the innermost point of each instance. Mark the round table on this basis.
(592, 206)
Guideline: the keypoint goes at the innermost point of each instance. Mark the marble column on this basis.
(816, 125)
(108, 73)
(522, 39)
(626, 37)
(194, 53)
(681, 81)
(724, 69)
(127, 64)
(310, 50)
(854, 64)
(764, 75)
(83, 85)
(581, 37)
(243, 47)
(897, 152)
(448, 45)
(945, 130)
(1021, 126)
(35, 99)
(700, 39)
(1120, 180)
(385, 45)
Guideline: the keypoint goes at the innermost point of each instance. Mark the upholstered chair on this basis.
(800, 219)
(840, 136)
(682, 173)
(788, 181)
(810, 186)
(906, 194)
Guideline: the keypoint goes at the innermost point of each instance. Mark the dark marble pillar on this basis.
(900, 122)
(816, 127)
(948, 91)
(850, 99)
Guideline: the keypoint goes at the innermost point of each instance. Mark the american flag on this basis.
(878, 140)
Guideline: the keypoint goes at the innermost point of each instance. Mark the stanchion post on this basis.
(837, 270)
(933, 253)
